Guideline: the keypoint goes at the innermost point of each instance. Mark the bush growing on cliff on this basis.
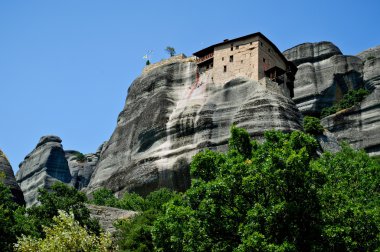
(312, 125)
(350, 99)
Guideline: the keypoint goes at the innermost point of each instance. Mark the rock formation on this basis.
(9, 179)
(324, 75)
(168, 118)
(45, 165)
(81, 170)
(107, 216)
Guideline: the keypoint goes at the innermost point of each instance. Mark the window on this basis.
(224, 68)
(232, 47)
(250, 43)
(241, 61)
(231, 58)
(211, 66)
(261, 43)
(263, 59)
(222, 58)
(268, 49)
(237, 47)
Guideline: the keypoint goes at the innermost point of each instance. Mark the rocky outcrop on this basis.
(168, 118)
(81, 169)
(359, 125)
(324, 75)
(371, 68)
(107, 216)
(45, 165)
(9, 179)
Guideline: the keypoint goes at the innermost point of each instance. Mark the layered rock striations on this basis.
(45, 165)
(9, 179)
(81, 169)
(168, 117)
(360, 125)
(324, 75)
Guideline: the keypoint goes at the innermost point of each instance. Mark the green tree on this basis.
(66, 234)
(257, 200)
(350, 199)
(61, 197)
(7, 218)
(170, 50)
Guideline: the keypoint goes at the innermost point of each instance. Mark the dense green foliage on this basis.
(350, 99)
(15, 220)
(8, 219)
(312, 125)
(65, 234)
(136, 234)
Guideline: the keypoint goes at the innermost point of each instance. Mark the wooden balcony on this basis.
(205, 58)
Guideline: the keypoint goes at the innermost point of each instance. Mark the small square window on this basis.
(222, 58)
(263, 59)
(231, 58)
(250, 43)
(224, 68)
(261, 43)
(241, 61)
(237, 47)
(232, 47)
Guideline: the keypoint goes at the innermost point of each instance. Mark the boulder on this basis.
(107, 216)
(45, 165)
(168, 117)
(9, 179)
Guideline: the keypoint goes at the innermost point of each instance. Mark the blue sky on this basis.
(65, 66)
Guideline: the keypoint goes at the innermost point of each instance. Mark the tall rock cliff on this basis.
(167, 118)
(360, 125)
(45, 165)
(9, 179)
(324, 75)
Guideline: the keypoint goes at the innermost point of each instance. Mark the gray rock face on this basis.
(359, 125)
(311, 52)
(167, 119)
(371, 68)
(10, 180)
(324, 75)
(107, 216)
(45, 165)
(81, 171)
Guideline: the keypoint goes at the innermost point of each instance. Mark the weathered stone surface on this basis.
(328, 142)
(45, 165)
(108, 215)
(359, 125)
(9, 179)
(167, 119)
(323, 76)
(311, 52)
(371, 68)
(81, 171)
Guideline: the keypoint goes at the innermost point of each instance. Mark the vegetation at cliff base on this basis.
(350, 99)
(274, 195)
(278, 195)
(66, 234)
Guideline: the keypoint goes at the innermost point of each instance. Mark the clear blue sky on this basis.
(65, 66)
